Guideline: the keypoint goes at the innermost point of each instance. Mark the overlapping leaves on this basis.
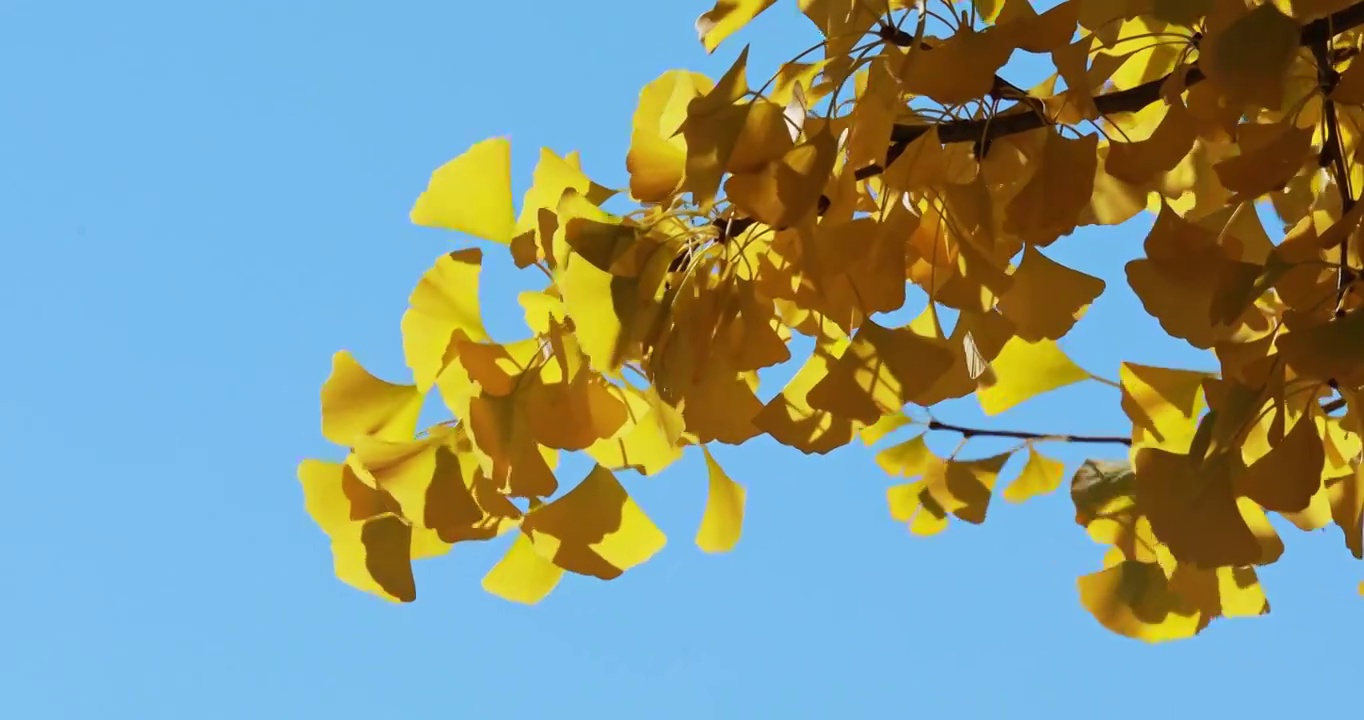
(810, 205)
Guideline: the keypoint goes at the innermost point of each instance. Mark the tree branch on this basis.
(1019, 120)
(969, 433)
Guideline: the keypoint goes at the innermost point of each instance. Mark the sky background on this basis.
(201, 202)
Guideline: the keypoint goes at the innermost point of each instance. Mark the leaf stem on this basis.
(967, 433)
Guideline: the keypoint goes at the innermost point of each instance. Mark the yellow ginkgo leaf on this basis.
(888, 424)
(1040, 476)
(642, 443)
(726, 18)
(964, 487)
(1249, 57)
(723, 521)
(1142, 161)
(355, 403)
(444, 307)
(912, 503)
(658, 153)
(1049, 205)
(1163, 404)
(522, 575)
(881, 370)
(1134, 599)
(784, 190)
(1271, 154)
(1046, 298)
(595, 529)
(375, 556)
(910, 458)
(1328, 351)
(791, 419)
(472, 194)
(336, 498)
(506, 447)
(1289, 475)
(1193, 509)
(959, 69)
(1026, 369)
(1038, 33)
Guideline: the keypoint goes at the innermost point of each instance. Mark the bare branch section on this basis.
(968, 433)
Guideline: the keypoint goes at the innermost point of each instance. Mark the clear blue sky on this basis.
(201, 202)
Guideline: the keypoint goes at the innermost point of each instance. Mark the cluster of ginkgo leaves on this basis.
(894, 153)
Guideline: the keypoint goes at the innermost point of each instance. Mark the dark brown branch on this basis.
(1019, 120)
(969, 433)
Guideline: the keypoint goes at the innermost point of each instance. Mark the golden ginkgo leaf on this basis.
(1134, 599)
(913, 504)
(1024, 370)
(1041, 475)
(1046, 297)
(726, 18)
(472, 194)
(658, 154)
(1249, 57)
(595, 529)
(444, 307)
(723, 521)
(355, 404)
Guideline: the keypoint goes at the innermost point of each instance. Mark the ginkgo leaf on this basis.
(1047, 298)
(1048, 206)
(790, 418)
(642, 443)
(958, 69)
(888, 424)
(472, 194)
(964, 487)
(506, 447)
(912, 503)
(444, 307)
(1192, 507)
(1250, 56)
(1330, 350)
(1026, 369)
(1163, 404)
(879, 372)
(522, 575)
(1142, 161)
(725, 18)
(595, 529)
(910, 458)
(712, 127)
(1038, 33)
(1289, 475)
(723, 521)
(375, 556)
(1271, 154)
(784, 191)
(658, 154)
(1134, 599)
(1040, 476)
(355, 403)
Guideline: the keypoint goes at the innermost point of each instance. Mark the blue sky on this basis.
(201, 202)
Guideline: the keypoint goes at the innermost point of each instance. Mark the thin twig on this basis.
(1327, 78)
(968, 433)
